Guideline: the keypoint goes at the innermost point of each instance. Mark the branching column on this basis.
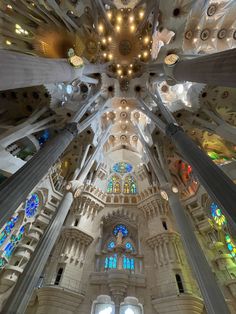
(15, 190)
(23, 290)
(213, 297)
(214, 69)
(21, 70)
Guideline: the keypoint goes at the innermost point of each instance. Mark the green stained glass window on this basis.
(130, 186)
(114, 185)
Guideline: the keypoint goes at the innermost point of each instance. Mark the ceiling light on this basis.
(109, 14)
(131, 19)
(117, 28)
(9, 6)
(119, 18)
(119, 72)
(146, 40)
(100, 28)
(130, 72)
(141, 14)
(132, 28)
(104, 40)
(8, 42)
(110, 56)
(175, 189)
(145, 54)
(109, 39)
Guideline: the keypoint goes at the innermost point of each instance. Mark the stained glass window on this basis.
(130, 186)
(128, 263)
(122, 167)
(217, 215)
(129, 246)
(43, 137)
(32, 205)
(10, 247)
(121, 228)
(111, 262)
(230, 245)
(111, 245)
(8, 229)
(114, 185)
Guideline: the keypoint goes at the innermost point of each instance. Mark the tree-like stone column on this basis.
(219, 186)
(213, 297)
(214, 69)
(19, 70)
(26, 284)
(14, 190)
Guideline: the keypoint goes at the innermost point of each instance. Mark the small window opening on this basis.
(179, 283)
(58, 277)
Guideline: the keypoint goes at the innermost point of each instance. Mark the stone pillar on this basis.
(214, 180)
(214, 69)
(21, 70)
(15, 190)
(213, 297)
(23, 289)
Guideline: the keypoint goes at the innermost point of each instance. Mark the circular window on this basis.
(222, 34)
(121, 228)
(211, 10)
(205, 34)
(32, 205)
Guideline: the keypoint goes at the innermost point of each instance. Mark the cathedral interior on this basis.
(117, 156)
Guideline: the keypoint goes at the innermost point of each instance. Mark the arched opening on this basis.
(58, 277)
(179, 283)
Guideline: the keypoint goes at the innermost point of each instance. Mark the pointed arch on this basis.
(114, 184)
(130, 185)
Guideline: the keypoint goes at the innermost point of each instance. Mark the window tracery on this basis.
(122, 167)
(118, 184)
(217, 215)
(130, 186)
(114, 185)
(32, 205)
(121, 228)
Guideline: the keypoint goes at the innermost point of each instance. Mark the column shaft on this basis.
(214, 69)
(24, 287)
(214, 180)
(21, 70)
(213, 297)
(15, 190)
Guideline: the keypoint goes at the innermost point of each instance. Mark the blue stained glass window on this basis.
(8, 229)
(43, 138)
(111, 245)
(122, 167)
(128, 263)
(128, 246)
(121, 228)
(111, 262)
(32, 205)
(10, 247)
